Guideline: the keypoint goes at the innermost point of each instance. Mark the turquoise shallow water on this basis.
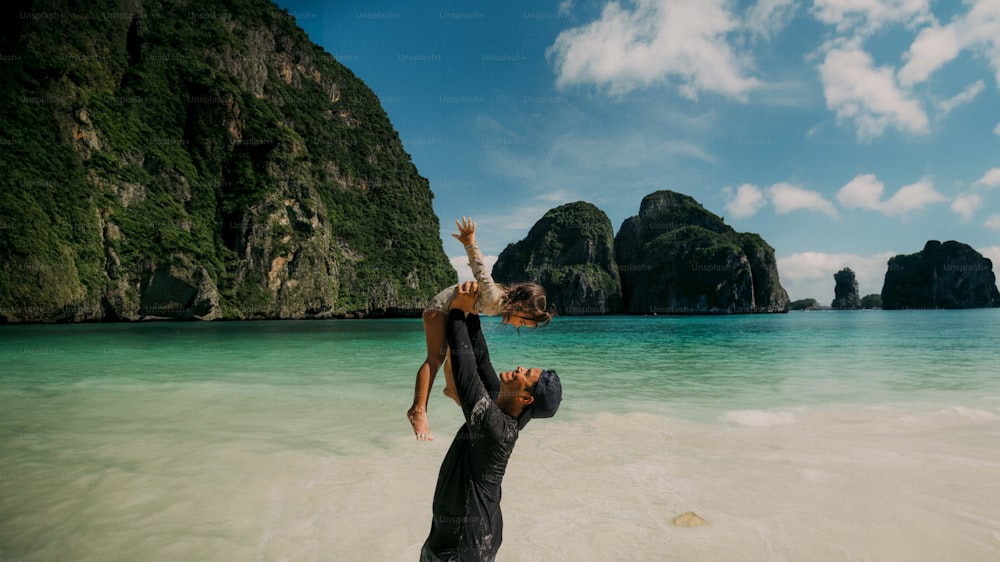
(286, 440)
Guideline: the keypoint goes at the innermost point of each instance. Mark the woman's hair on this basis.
(528, 301)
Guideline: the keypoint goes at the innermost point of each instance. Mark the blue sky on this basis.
(842, 131)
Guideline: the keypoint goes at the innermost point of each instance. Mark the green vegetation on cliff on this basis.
(803, 304)
(569, 252)
(871, 301)
(211, 143)
(676, 257)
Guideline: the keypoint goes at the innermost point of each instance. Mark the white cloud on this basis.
(996, 130)
(461, 265)
(912, 197)
(513, 221)
(869, 97)
(746, 202)
(935, 46)
(748, 199)
(966, 205)
(555, 197)
(767, 18)
(981, 27)
(627, 149)
(965, 96)
(867, 16)
(810, 274)
(862, 192)
(655, 42)
(992, 252)
(874, 98)
(990, 179)
(787, 197)
(865, 192)
(993, 223)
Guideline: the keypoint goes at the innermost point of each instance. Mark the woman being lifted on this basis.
(520, 304)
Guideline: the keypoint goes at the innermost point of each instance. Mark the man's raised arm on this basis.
(464, 366)
(487, 374)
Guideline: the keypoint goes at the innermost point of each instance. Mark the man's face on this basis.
(520, 379)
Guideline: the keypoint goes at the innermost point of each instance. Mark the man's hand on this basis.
(465, 297)
(466, 231)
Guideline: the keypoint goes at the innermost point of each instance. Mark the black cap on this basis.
(548, 396)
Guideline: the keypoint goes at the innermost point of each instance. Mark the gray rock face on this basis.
(569, 252)
(845, 291)
(179, 293)
(676, 257)
(942, 275)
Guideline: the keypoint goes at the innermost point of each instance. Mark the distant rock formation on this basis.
(871, 301)
(569, 252)
(845, 291)
(676, 257)
(803, 304)
(948, 275)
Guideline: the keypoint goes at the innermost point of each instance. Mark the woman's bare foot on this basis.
(450, 393)
(418, 419)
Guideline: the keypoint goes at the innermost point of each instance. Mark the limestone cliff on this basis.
(942, 275)
(675, 257)
(845, 291)
(166, 159)
(569, 252)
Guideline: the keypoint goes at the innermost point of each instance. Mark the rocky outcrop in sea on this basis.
(871, 301)
(942, 275)
(845, 291)
(676, 257)
(569, 252)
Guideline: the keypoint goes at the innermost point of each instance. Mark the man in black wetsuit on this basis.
(467, 524)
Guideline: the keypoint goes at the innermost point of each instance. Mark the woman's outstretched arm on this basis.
(490, 294)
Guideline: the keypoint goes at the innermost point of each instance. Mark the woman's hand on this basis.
(466, 231)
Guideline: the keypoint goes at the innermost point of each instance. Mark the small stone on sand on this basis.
(689, 519)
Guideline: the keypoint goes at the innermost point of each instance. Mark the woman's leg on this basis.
(437, 349)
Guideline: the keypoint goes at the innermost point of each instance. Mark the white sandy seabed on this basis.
(217, 474)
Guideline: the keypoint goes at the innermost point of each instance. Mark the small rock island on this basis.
(845, 291)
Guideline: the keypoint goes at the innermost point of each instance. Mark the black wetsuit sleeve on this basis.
(463, 362)
(487, 374)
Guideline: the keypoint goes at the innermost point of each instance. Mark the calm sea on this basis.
(864, 435)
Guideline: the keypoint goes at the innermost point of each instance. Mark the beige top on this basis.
(490, 294)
